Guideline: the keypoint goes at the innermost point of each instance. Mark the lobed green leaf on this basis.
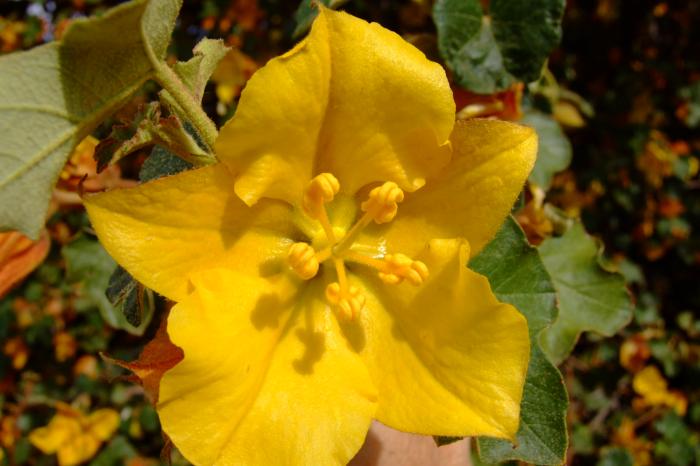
(554, 150)
(590, 297)
(518, 276)
(489, 52)
(53, 96)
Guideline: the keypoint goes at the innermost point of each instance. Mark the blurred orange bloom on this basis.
(75, 436)
(504, 105)
(634, 353)
(82, 168)
(19, 256)
(231, 74)
(626, 437)
(17, 351)
(653, 390)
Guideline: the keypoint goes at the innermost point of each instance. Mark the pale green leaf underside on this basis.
(554, 151)
(196, 71)
(518, 277)
(590, 298)
(89, 264)
(53, 96)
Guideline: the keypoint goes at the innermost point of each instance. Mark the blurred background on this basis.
(618, 113)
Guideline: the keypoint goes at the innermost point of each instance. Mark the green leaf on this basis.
(196, 71)
(148, 129)
(489, 52)
(518, 276)
(306, 13)
(117, 452)
(678, 445)
(590, 297)
(162, 163)
(89, 266)
(554, 151)
(130, 298)
(616, 457)
(53, 96)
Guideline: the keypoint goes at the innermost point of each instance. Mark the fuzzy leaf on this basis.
(53, 96)
(134, 301)
(195, 72)
(518, 277)
(90, 267)
(490, 52)
(554, 150)
(590, 297)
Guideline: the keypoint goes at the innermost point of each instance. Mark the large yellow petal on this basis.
(471, 197)
(353, 99)
(447, 358)
(167, 229)
(267, 379)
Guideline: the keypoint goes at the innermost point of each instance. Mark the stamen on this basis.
(349, 304)
(394, 268)
(320, 191)
(302, 259)
(383, 201)
(400, 267)
(381, 206)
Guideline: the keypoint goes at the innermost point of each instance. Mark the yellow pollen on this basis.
(302, 259)
(382, 203)
(348, 303)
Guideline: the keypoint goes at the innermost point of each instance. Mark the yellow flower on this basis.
(74, 436)
(653, 389)
(320, 269)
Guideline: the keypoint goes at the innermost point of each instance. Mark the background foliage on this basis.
(617, 111)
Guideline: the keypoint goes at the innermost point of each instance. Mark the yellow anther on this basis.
(398, 267)
(321, 190)
(349, 303)
(302, 259)
(383, 202)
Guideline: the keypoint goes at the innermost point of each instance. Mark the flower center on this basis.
(380, 207)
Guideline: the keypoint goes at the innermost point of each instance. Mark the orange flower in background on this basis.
(504, 105)
(634, 353)
(626, 437)
(19, 256)
(653, 391)
(65, 346)
(10, 35)
(231, 74)
(18, 352)
(82, 168)
(74, 436)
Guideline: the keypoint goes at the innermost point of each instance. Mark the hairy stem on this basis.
(170, 81)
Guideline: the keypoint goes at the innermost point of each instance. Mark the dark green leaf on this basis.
(590, 297)
(130, 298)
(616, 457)
(162, 163)
(518, 277)
(307, 12)
(490, 52)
